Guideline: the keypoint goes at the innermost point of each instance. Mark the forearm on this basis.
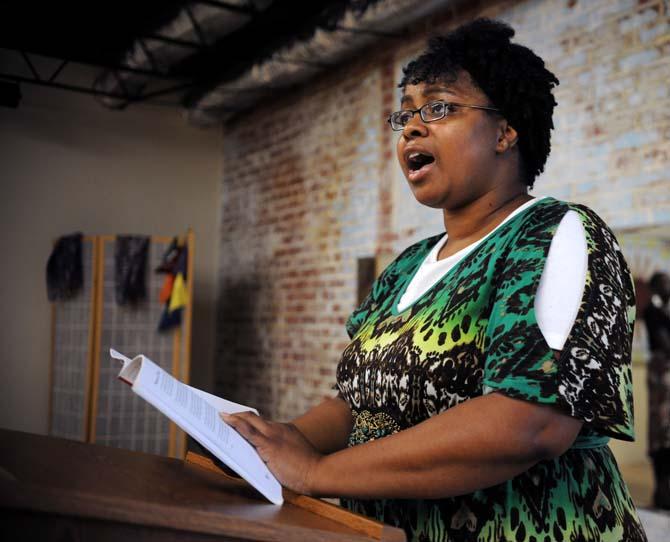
(326, 426)
(477, 444)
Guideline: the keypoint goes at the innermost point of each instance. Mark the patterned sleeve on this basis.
(591, 378)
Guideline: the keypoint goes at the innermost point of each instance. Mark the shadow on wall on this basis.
(242, 367)
(202, 335)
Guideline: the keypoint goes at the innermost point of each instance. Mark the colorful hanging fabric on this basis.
(166, 289)
(174, 293)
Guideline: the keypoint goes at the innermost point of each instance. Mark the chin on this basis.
(431, 205)
(429, 201)
(425, 197)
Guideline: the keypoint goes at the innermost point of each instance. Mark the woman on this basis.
(657, 321)
(486, 372)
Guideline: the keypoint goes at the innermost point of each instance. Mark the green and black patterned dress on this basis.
(475, 332)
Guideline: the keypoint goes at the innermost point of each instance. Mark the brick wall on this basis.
(301, 202)
(310, 182)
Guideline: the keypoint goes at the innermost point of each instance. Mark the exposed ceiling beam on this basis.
(152, 73)
(278, 25)
(362, 25)
(221, 55)
(62, 86)
(248, 9)
(174, 41)
(87, 32)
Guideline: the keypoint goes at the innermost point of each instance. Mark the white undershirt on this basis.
(561, 285)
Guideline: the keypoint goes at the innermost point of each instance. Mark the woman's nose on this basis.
(415, 128)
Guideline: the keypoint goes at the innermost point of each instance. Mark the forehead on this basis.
(462, 87)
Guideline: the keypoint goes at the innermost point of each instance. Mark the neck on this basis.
(474, 220)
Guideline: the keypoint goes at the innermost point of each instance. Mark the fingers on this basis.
(244, 428)
(248, 424)
(252, 427)
(254, 420)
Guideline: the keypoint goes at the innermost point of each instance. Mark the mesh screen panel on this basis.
(123, 419)
(69, 373)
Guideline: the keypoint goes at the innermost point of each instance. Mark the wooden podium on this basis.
(62, 490)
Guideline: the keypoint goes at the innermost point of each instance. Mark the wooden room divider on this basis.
(87, 401)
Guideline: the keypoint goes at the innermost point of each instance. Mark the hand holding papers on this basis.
(196, 412)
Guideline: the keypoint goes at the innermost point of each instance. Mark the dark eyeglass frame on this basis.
(423, 111)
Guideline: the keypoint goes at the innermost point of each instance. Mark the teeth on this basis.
(417, 159)
(417, 155)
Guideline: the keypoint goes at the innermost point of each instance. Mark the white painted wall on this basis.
(68, 164)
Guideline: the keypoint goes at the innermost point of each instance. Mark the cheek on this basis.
(400, 147)
(472, 148)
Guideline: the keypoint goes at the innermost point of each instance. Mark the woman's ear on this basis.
(507, 137)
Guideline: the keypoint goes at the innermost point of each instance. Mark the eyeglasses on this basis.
(429, 112)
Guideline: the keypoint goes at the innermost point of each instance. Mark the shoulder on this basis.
(537, 224)
(550, 209)
(528, 235)
(603, 246)
(606, 259)
(590, 219)
(547, 215)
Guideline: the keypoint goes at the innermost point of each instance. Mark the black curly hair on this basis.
(657, 280)
(511, 75)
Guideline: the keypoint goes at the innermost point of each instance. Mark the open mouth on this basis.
(416, 160)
